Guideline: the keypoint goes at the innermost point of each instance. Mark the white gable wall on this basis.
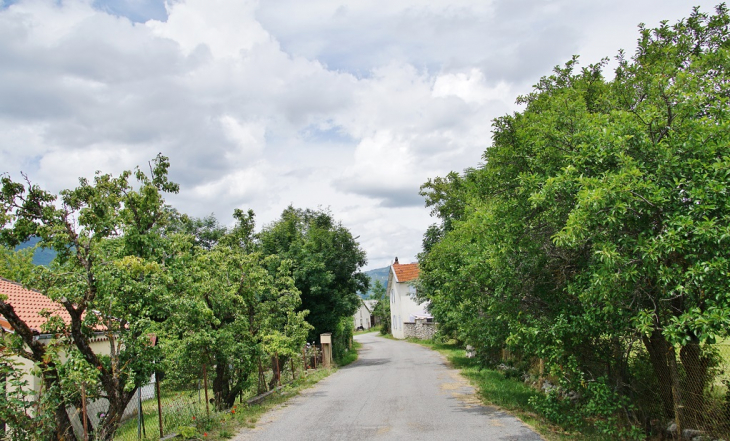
(362, 317)
(402, 305)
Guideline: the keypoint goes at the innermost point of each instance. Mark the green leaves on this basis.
(325, 264)
(600, 216)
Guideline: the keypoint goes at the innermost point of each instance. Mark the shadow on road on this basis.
(367, 362)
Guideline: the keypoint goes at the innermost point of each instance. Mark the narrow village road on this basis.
(395, 391)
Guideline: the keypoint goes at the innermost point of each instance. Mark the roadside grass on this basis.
(350, 356)
(226, 424)
(508, 394)
(368, 331)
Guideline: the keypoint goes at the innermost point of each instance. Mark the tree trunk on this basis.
(695, 367)
(113, 418)
(220, 383)
(276, 364)
(658, 348)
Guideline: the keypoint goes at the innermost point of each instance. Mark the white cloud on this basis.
(347, 105)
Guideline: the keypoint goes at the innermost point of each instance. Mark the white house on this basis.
(363, 318)
(403, 305)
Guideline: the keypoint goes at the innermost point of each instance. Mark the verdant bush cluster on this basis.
(594, 236)
(172, 294)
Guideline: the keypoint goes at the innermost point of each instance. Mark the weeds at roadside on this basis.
(351, 355)
(224, 425)
(510, 394)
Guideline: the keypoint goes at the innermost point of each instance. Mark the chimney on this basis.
(396, 261)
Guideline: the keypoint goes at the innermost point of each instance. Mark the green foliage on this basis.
(342, 339)
(26, 414)
(235, 308)
(326, 262)
(381, 311)
(107, 275)
(187, 432)
(598, 222)
(591, 407)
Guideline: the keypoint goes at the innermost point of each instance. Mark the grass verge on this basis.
(368, 331)
(506, 393)
(350, 356)
(226, 424)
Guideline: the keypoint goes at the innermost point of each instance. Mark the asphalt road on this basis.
(394, 391)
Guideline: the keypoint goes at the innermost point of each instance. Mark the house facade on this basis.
(363, 318)
(404, 308)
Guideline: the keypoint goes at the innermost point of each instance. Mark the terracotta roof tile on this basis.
(28, 304)
(406, 272)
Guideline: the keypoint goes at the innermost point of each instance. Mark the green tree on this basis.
(599, 220)
(326, 263)
(235, 307)
(107, 275)
(381, 311)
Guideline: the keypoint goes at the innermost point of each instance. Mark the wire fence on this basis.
(679, 393)
(694, 389)
(161, 408)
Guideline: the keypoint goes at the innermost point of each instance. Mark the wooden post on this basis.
(159, 403)
(304, 357)
(293, 374)
(205, 385)
(83, 411)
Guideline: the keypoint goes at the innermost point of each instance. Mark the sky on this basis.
(342, 105)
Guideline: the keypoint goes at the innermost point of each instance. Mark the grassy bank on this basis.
(350, 355)
(224, 425)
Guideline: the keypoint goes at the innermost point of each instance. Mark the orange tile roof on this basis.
(28, 304)
(406, 272)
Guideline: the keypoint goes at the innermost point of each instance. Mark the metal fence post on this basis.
(159, 403)
(139, 412)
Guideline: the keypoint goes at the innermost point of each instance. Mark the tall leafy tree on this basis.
(107, 275)
(600, 220)
(237, 308)
(327, 262)
(381, 311)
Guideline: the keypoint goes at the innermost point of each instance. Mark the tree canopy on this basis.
(108, 275)
(599, 219)
(326, 264)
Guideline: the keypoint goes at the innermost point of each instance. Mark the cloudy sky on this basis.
(350, 105)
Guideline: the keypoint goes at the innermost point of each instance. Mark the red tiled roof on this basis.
(406, 272)
(28, 304)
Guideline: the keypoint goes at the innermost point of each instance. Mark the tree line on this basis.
(595, 233)
(129, 267)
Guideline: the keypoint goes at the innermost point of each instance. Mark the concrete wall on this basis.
(420, 329)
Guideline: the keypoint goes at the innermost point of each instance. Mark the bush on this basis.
(341, 339)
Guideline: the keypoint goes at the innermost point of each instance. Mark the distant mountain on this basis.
(376, 274)
(42, 256)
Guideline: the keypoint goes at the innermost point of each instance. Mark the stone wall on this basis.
(420, 329)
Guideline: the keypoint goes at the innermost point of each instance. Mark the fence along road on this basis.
(395, 391)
